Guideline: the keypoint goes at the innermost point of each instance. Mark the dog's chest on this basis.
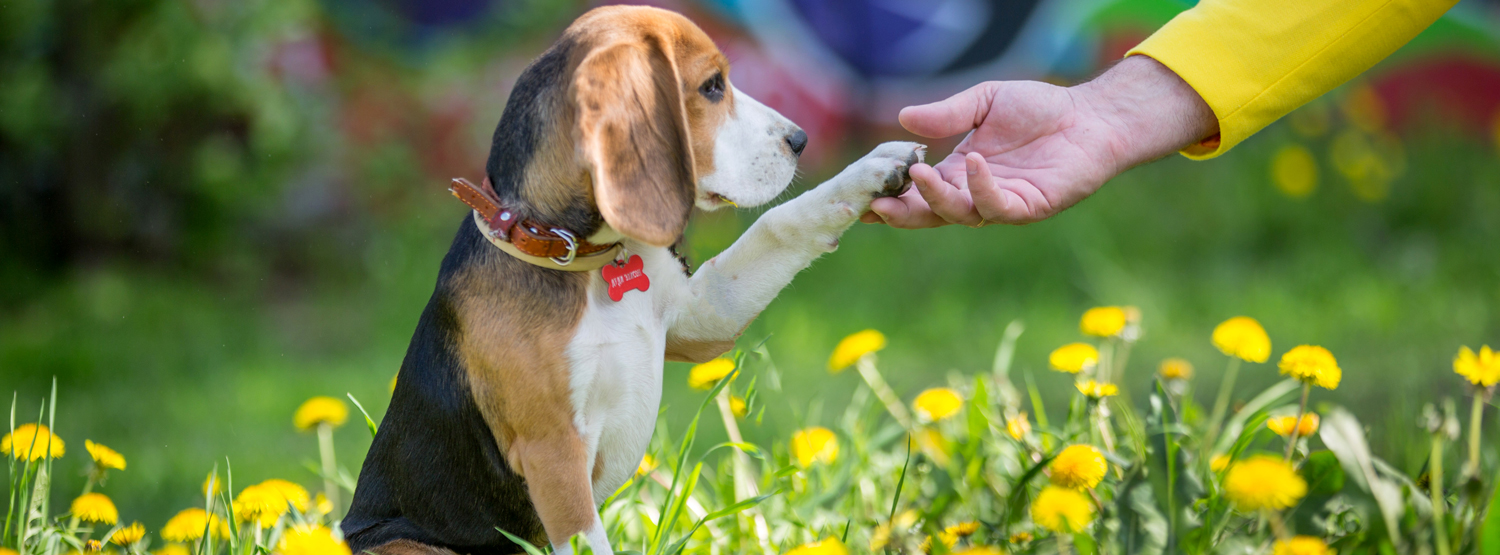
(616, 359)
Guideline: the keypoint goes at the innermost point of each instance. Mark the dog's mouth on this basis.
(718, 201)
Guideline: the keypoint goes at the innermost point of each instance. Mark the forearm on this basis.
(1151, 110)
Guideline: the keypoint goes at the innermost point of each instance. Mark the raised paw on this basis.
(884, 171)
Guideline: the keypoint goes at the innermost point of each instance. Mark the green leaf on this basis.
(1143, 528)
(1084, 543)
(1489, 533)
(1266, 398)
(1323, 474)
(1344, 435)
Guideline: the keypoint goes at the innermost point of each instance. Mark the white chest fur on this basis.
(616, 359)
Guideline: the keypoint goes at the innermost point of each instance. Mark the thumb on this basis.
(959, 113)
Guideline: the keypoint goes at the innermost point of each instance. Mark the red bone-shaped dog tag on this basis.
(632, 275)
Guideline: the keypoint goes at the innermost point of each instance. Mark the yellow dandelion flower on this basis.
(171, 549)
(1301, 545)
(1176, 369)
(265, 502)
(1018, 426)
(93, 546)
(1078, 467)
(1062, 510)
(932, 442)
(322, 504)
(815, 444)
(648, 463)
(937, 403)
(963, 529)
(129, 534)
(259, 504)
(1283, 425)
(1095, 390)
(310, 540)
(851, 348)
(826, 546)
(212, 485)
(1311, 364)
(1020, 537)
(1294, 171)
(393, 382)
(705, 376)
(104, 456)
(188, 526)
(1102, 321)
(320, 410)
(737, 406)
(1243, 338)
(294, 494)
(1074, 358)
(8, 551)
(881, 536)
(1263, 482)
(1482, 369)
(1218, 463)
(32, 442)
(95, 507)
(979, 550)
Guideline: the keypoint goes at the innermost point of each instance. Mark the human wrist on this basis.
(1151, 111)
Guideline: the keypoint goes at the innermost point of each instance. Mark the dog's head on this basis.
(633, 110)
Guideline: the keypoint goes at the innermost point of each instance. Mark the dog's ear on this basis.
(634, 138)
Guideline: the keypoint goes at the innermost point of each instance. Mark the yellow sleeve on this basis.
(1254, 61)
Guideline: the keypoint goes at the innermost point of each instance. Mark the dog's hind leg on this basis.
(408, 547)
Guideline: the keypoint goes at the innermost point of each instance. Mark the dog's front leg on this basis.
(729, 290)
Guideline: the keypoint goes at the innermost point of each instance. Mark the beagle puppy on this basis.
(533, 380)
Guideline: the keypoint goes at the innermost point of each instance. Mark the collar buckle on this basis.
(572, 243)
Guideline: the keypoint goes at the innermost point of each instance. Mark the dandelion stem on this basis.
(744, 477)
(1476, 417)
(1221, 404)
(1291, 438)
(325, 452)
(1435, 489)
(884, 392)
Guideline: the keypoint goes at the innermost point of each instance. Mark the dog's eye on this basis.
(713, 88)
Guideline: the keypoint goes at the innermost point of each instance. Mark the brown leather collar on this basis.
(529, 236)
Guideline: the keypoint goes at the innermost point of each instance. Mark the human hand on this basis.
(1035, 149)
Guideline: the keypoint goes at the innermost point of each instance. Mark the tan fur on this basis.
(682, 350)
(642, 127)
(512, 345)
(408, 547)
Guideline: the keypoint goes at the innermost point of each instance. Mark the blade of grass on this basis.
(682, 453)
(736, 508)
(370, 422)
(526, 545)
(900, 482)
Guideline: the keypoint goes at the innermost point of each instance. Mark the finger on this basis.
(959, 113)
(907, 211)
(871, 218)
(947, 200)
(991, 202)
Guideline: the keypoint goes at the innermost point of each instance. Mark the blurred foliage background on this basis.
(211, 210)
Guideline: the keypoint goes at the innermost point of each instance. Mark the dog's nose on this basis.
(797, 141)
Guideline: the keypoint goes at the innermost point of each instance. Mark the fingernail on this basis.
(971, 166)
